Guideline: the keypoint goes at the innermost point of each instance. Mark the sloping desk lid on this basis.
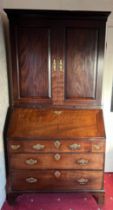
(49, 123)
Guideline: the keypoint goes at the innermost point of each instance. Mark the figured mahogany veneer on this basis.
(55, 131)
(50, 123)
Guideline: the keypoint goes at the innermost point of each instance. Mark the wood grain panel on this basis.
(61, 124)
(57, 161)
(33, 48)
(81, 61)
(46, 180)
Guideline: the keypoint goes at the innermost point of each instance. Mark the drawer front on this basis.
(56, 146)
(57, 161)
(53, 180)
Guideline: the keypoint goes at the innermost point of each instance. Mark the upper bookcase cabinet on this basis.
(57, 57)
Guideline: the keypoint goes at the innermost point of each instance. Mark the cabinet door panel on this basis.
(31, 65)
(33, 45)
(80, 60)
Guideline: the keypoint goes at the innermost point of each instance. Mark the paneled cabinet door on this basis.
(34, 61)
(80, 60)
(57, 62)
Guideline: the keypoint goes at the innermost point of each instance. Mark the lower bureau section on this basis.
(56, 180)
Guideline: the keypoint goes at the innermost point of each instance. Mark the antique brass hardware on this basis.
(54, 65)
(57, 144)
(96, 146)
(31, 161)
(57, 174)
(31, 180)
(82, 181)
(57, 156)
(15, 146)
(38, 146)
(82, 161)
(61, 65)
(58, 112)
(74, 146)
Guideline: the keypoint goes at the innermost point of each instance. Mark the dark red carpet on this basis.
(64, 201)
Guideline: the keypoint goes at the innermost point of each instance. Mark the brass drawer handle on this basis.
(82, 181)
(82, 161)
(38, 146)
(31, 161)
(15, 146)
(58, 112)
(57, 144)
(57, 156)
(96, 146)
(57, 174)
(31, 180)
(74, 146)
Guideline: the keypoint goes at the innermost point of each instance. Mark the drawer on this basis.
(54, 180)
(57, 161)
(38, 146)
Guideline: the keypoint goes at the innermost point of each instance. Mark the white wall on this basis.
(3, 109)
(105, 5)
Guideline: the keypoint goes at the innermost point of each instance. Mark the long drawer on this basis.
(57, 161)
(53, 180)
(22, 146)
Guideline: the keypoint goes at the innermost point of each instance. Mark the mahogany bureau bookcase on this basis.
(55, 130)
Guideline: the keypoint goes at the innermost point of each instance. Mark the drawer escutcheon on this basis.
(31, 161)
(57, 174)
(38, 146)
(57, 144)
(31, 180)
(57, 156)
